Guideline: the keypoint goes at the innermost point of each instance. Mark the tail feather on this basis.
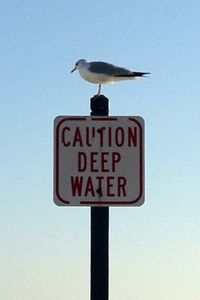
(133, 74)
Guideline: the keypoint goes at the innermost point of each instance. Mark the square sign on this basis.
(98, 161)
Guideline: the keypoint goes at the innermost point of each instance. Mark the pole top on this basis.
(99, 105)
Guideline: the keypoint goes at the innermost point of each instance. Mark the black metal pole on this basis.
(99, 287)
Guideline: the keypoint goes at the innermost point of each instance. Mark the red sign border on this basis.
(100, 202)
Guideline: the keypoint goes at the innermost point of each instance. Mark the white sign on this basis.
(98, 161)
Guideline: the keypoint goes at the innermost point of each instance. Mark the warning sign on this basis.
(98, 161)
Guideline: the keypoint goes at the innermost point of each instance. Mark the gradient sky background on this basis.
(154, 249)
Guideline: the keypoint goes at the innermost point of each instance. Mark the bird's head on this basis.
(78, 64)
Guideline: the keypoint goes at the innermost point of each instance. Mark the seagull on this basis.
(101, 72)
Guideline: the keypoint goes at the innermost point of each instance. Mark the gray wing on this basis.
(108, 69)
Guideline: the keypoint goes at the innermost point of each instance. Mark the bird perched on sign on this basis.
(101, 72)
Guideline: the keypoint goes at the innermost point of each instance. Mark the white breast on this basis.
(94, 78)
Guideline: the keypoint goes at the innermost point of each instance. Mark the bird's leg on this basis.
(99, 90)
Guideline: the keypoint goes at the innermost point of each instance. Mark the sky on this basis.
(154, 249)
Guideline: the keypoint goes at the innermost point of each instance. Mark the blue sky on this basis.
(154, 249)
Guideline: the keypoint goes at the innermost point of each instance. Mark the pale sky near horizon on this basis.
(154, 249)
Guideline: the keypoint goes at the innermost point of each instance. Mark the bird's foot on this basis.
(99, 90)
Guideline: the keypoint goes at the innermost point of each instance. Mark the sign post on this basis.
(99, 162)
(99, 280)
